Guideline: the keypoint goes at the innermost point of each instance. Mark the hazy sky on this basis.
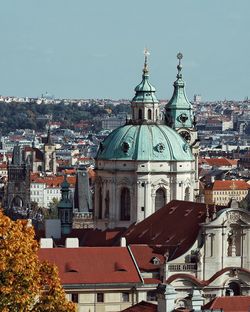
(94, 48)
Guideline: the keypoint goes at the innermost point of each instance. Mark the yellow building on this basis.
(222, 191)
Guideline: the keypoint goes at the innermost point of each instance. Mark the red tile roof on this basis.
(172, 229)
(144, 255)
(3, 165)
(91, 237)
(142, 306)
(92, 265)
(151, 281)
(230, 304)
(230, 185)
(53, 181)
(219, 162)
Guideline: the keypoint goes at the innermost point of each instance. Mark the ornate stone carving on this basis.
(124, 181)
(235, 217)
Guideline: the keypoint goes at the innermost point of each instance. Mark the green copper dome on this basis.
(144, 142)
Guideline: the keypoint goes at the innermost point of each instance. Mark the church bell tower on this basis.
(179, 116)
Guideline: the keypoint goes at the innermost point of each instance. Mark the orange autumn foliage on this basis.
(26, 284)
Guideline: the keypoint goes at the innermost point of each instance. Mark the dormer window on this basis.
(155, 261)
(119, 267)
(69, 267)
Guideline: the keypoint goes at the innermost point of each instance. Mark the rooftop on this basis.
(86, 265)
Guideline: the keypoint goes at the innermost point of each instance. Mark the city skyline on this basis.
(95, 50)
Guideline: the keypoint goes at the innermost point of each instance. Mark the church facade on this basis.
(145, 163)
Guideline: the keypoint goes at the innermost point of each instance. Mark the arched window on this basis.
(234, 288)
(140, 114)
(100, 204)
(106, 214)
(187, 194)
(149, 114)
(125, 204)
(160, 198)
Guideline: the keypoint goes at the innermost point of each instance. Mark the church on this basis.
(146, 210)
(149, 161)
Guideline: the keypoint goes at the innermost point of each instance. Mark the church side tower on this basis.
(144, 105)
(180, 117)
(49, 154)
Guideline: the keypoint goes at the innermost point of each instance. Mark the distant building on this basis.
(45, 189)
(18, 187)
(112, 123)
(222, 192)
(197, 98)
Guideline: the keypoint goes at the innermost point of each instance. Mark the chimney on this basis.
(123, 242)
(166, 296)
(46, 243)
(72, 242)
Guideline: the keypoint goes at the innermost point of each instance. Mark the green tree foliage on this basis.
(33, 116)
(52, 211)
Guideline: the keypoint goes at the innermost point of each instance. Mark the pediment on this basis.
(160, 182)
(237, 217)
(232, 217)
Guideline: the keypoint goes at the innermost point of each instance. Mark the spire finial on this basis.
(146, 54)
(179, 66)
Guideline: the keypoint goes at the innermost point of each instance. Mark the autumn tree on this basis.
(26, 284)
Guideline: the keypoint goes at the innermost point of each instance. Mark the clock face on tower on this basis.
(186, 135)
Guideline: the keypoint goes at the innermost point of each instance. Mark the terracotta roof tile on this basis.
(92, 265)
(152, 281)
(53, 181)
(142, 306)
(146, 256)
(172, 229)
(218, 162)
(230, 304)
(230, 185)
